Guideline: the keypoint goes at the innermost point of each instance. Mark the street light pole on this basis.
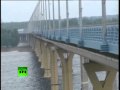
(67, 16)
(53, 20)
(46, 19)
(41, 18)
(104, 47)
(59, 19)
(104, 20)
(49, 15)
(80, 23)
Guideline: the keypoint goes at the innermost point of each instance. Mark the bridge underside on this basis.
(96, 45)
(94, 55)
(23, 38)
(48, 51)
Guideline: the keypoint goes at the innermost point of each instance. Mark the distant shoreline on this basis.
(20, 49)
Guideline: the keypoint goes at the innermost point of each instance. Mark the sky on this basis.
(19, 11)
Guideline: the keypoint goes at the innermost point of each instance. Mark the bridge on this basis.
(96, 45)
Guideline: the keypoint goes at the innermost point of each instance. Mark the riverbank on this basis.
(21, 48)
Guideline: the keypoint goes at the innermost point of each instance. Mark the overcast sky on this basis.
(18, 11)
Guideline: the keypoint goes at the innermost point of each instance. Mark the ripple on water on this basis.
(10, 61)
(10, 81)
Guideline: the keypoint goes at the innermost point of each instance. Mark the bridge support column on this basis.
(115, 86)
(39, 49)
(30, 40)
(36, 47)
(107, 84)
(26, 37)
(19, 38)
(66, 69)
(33, 42)
(84, 77)
(23, 38)
(42, 55)
(47, 62)
(54, 70)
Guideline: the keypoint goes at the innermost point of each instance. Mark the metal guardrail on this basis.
(92, 37)
(103, 38)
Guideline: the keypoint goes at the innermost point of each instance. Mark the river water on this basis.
(10, 61)
(9, 76)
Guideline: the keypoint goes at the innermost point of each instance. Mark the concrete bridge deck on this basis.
(94, 55)
(97, 47)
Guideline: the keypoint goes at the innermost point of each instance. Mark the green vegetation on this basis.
(9, 34)
(73, 22)
(14, 25)
(9, 38)
(86, 21)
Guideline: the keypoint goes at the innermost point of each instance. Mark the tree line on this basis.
(9, 38)
(73, 22)
(9, 31)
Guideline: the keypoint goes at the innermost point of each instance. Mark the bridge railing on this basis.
(92, 37)
(103, 38)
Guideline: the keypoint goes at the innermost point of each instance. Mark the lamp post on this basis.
(104, 20)
(49, 17)
(67, 16)
(104, 46)
(59, 19)
(41, 17)
(53, 20)
(46, 18)
(80, 23)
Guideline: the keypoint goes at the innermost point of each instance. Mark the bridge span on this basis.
(97, 47)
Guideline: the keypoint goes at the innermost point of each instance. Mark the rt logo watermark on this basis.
(22, 71)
